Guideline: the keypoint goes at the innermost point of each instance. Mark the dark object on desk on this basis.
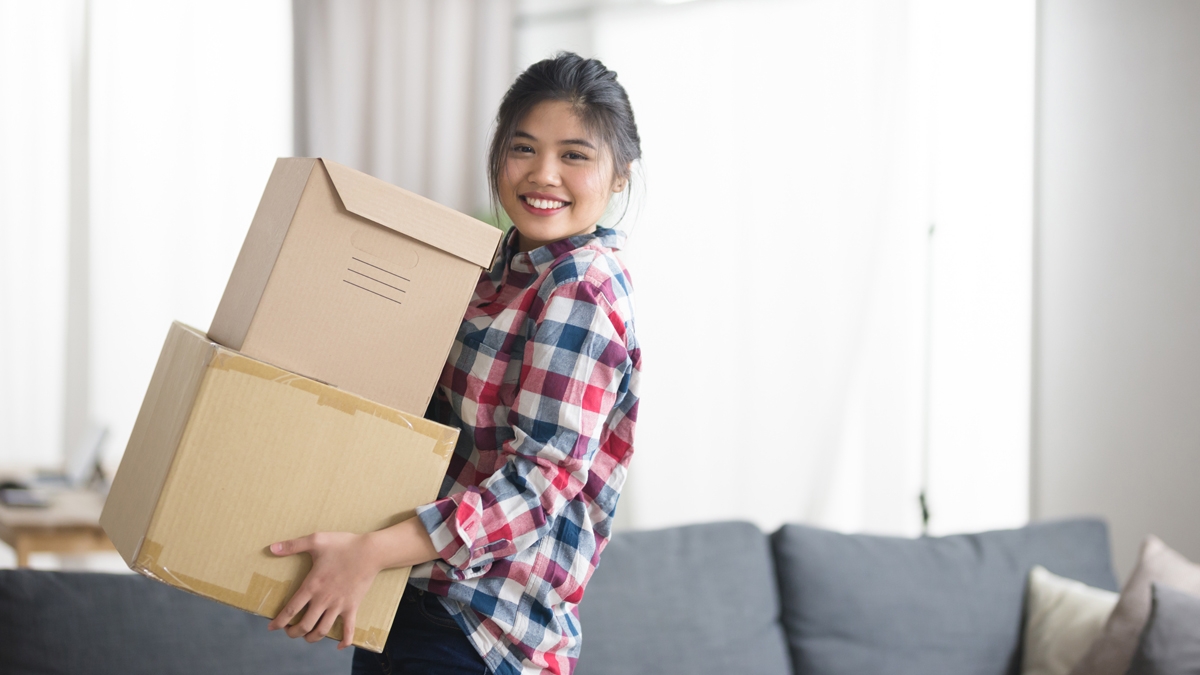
(21, 497)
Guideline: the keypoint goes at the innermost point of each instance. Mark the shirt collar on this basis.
(537, 260)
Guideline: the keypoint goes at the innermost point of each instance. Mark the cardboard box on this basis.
(353, 282)
(230, 454)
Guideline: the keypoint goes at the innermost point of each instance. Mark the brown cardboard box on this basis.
(229, 455)
(353, 282)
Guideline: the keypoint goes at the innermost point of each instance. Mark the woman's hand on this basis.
(343, 567)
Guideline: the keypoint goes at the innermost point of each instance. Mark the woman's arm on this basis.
(575, 365)
(343, 566)
(575, 368)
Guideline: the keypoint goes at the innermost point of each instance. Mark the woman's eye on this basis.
(522, 149)
(575, 155)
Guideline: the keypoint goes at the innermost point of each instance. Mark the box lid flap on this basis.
(413, 215)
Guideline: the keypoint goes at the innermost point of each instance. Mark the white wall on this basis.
(796, 153)
(1117, 317)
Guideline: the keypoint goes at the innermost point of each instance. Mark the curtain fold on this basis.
(35, 83)
(403, 90)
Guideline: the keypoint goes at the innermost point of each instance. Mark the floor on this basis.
(92, 562)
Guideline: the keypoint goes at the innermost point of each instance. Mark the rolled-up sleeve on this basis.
(572, 374)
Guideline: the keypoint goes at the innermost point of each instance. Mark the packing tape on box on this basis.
(263, 596)
(445, 446)
(328, 395)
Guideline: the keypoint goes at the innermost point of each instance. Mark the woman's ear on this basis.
(620, 182)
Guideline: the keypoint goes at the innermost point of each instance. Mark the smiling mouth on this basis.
(543, 204)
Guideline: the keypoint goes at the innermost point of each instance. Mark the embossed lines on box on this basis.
(377, 280)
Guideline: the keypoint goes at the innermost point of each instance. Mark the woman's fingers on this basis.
(302, 596)
(323, 626)
(348, 628)
(293, 546)
(340, 576)
(312, 614)
(291, 609)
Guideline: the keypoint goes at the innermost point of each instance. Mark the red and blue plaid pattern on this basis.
(543, 381)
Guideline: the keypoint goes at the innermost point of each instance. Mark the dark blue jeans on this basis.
(425, 639)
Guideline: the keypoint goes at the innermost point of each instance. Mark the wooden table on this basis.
(71, 524)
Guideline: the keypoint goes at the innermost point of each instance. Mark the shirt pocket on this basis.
(495, 369)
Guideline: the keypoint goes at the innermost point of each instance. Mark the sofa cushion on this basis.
(1157, 563)
(930, 606)
(696, 599)
(1170, 645)
(1063, 617)
(73, 622)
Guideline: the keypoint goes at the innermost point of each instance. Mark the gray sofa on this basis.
(712, 598)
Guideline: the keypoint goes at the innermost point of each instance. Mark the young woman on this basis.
(543, 382)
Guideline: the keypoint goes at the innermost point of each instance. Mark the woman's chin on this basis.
(537, 235)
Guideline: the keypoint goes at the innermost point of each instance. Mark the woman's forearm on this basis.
(402, 545)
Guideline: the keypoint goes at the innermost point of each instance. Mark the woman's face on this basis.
(557, 178)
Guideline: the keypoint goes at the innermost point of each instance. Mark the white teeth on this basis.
(544, 203)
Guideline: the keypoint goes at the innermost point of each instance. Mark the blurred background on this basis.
(883, 249)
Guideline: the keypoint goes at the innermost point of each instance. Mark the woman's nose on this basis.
(545, 172)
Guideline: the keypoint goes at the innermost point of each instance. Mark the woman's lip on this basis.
(543, 195)
(540, 212)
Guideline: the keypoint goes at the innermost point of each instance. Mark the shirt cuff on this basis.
(454, 527)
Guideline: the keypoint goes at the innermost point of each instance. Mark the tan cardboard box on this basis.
(230, 454)
(353, 282)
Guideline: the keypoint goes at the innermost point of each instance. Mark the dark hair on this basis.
(591, 90)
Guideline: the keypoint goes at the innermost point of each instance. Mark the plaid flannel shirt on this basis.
(542, 379)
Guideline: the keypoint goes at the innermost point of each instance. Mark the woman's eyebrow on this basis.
(570, 141)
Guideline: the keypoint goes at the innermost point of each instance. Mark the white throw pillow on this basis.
(1063, 617)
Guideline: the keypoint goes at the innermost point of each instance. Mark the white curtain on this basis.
(404, 90)
(135, 140)
(190, 106)
(812, 353)
(35, 107)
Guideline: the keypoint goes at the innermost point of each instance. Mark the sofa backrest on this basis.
(693, 600)
(854, 604)
(55, 623)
